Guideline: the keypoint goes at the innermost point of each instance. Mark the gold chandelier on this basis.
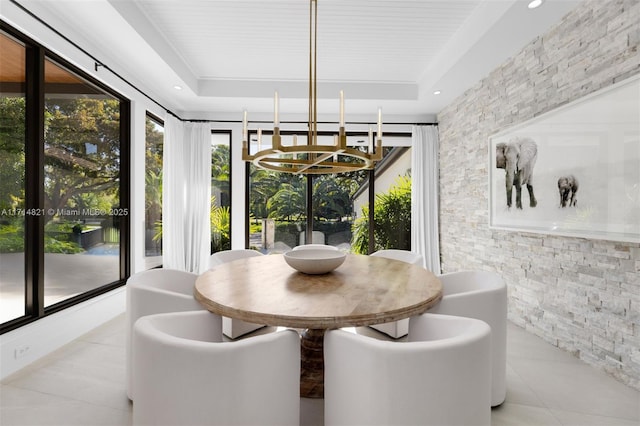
(311, 157)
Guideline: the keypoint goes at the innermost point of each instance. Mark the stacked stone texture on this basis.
(579, 294)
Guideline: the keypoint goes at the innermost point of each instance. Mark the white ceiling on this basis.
(230, 55)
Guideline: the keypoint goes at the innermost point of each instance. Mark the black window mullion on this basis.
(372, 200)
(124, 220)
(34, 183)
(308, 235)
(247, 204)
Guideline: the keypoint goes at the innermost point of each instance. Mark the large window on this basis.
(283, 207)
(64, 224)
(81, 185)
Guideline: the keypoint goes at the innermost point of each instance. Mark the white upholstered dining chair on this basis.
(400, 328)
(225, 256)
(317, 237)
(481, 295)
(314, 246)
(152, 292)
(185, 375)
(234, 328)
(441, 377)
(403, 255)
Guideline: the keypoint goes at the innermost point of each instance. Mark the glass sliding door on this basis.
(81, 185)
(337, 208)
(12, 178)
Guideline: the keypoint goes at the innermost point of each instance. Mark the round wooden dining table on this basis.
(364, 290)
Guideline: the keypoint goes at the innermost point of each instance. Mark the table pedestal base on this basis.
(312, 363)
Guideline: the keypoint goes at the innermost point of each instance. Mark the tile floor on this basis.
(83, 384)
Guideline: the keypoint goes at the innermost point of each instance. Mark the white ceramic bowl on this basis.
(314, 261)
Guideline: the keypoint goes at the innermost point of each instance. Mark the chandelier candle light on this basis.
(312, 158)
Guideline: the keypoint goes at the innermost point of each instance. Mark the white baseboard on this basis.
(22, 346)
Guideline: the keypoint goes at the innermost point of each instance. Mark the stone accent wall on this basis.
(579, 294)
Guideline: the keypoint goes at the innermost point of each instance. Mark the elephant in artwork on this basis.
(567, 187)
(518, 158)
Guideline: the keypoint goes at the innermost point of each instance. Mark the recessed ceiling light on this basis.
(437, 92)
(534, 3)
(177, 87)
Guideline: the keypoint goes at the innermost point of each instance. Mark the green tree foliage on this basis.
(287, 203)
(11, 238)
(264, 185)
(220, 218)
(282, 196)
(12, 159)
(82, 151)
(332, 197)
(221, 172)
(392, 219)
(154, 136)
(220, 213)
(81, 163)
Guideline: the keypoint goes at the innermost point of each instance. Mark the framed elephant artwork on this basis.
(572, 171)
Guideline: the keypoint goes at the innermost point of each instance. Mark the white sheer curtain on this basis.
(425, 240)
(186, 192)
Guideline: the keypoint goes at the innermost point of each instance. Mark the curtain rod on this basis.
(99, 63)
(306, 122)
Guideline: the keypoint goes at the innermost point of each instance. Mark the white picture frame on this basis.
(596, 139)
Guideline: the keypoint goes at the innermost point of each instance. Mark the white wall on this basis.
(21, 347)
